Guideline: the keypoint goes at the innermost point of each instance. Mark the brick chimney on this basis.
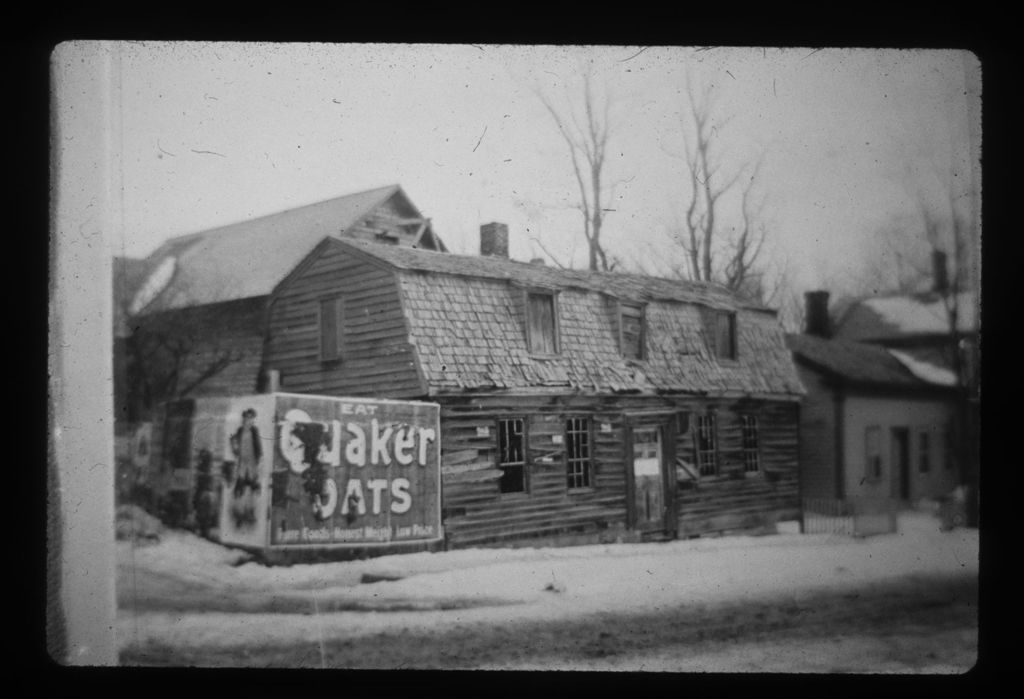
(816, 320)
(940, 274)
(494, 240)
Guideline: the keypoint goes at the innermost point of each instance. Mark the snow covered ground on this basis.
(226, 601)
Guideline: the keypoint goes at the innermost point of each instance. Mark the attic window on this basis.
(723, 334)
(541, 323)
(632, 330)
(331, 328)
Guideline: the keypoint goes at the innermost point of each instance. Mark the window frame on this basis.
(924, 451)
(586, 473)
(337, 304)
(733, 349)
(499, 453)
(706, 431)
(874, 468)
(641, 315)
(750, 431)
(555, 323)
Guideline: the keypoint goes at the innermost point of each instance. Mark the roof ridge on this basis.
(685, 283)
(391, 188)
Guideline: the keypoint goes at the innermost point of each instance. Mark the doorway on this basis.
(651, 501)
(901, 461)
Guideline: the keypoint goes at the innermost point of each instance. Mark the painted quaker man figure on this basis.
(246, 446)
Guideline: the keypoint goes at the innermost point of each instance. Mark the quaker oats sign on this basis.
(349, 471)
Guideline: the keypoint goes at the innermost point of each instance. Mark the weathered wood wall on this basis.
(474, 509)
(475, 512)
(734, 500)
(376, 357)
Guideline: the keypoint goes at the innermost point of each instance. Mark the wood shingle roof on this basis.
(466, 320)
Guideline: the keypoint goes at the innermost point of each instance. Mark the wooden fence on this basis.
(852, 517)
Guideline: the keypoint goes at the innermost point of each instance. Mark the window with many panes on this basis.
(511, 455)
(751, 453)
(706, 443)
(873, 452)
(578, 462)
(542, 323)
(631, 330)
(331, 329)
(924, 456)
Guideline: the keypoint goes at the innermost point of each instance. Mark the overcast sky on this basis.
(217, 133)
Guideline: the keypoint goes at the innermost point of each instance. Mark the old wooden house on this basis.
(608, 405)
(196, 322)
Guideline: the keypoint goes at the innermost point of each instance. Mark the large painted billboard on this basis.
(350, 471)
(288, 470)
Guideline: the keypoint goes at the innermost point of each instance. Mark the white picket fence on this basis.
(850, 517)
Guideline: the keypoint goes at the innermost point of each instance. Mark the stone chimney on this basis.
(816, 320)
(940, 274)
(494, 240)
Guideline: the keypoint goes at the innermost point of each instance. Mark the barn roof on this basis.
(250, 258)
(900, 316)
(862, 363)
(466, 319)
(127, 274)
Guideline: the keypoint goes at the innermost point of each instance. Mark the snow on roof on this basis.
(924, 370)
(910, 314)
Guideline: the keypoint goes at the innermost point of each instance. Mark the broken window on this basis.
(511, 455)
(631, 331)
(706, 443)
(542, 323)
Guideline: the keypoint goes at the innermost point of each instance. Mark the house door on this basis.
(650, 505)
(901, 461)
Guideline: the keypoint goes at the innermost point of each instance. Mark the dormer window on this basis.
(632, 330)
(721, 330)
(542, 322)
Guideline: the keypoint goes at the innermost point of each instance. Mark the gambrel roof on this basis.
(466, 318)
(250, 258)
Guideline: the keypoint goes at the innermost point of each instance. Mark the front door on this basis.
(901, 460)
(649, 502)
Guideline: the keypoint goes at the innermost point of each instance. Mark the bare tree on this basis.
(587, 136)
(714, 249)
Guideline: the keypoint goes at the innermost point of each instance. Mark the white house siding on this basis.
(918, 415)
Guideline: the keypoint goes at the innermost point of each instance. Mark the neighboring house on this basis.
(199, 315)
(608, 404)
(918, 325)
(876, 422)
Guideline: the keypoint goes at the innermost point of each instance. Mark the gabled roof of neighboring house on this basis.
(865, 364)
(250, 258)
(466, 320)
(900, 316)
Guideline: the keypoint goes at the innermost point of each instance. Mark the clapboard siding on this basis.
(734, 500)
(376, 357)
(477, 513)
(818, 438)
